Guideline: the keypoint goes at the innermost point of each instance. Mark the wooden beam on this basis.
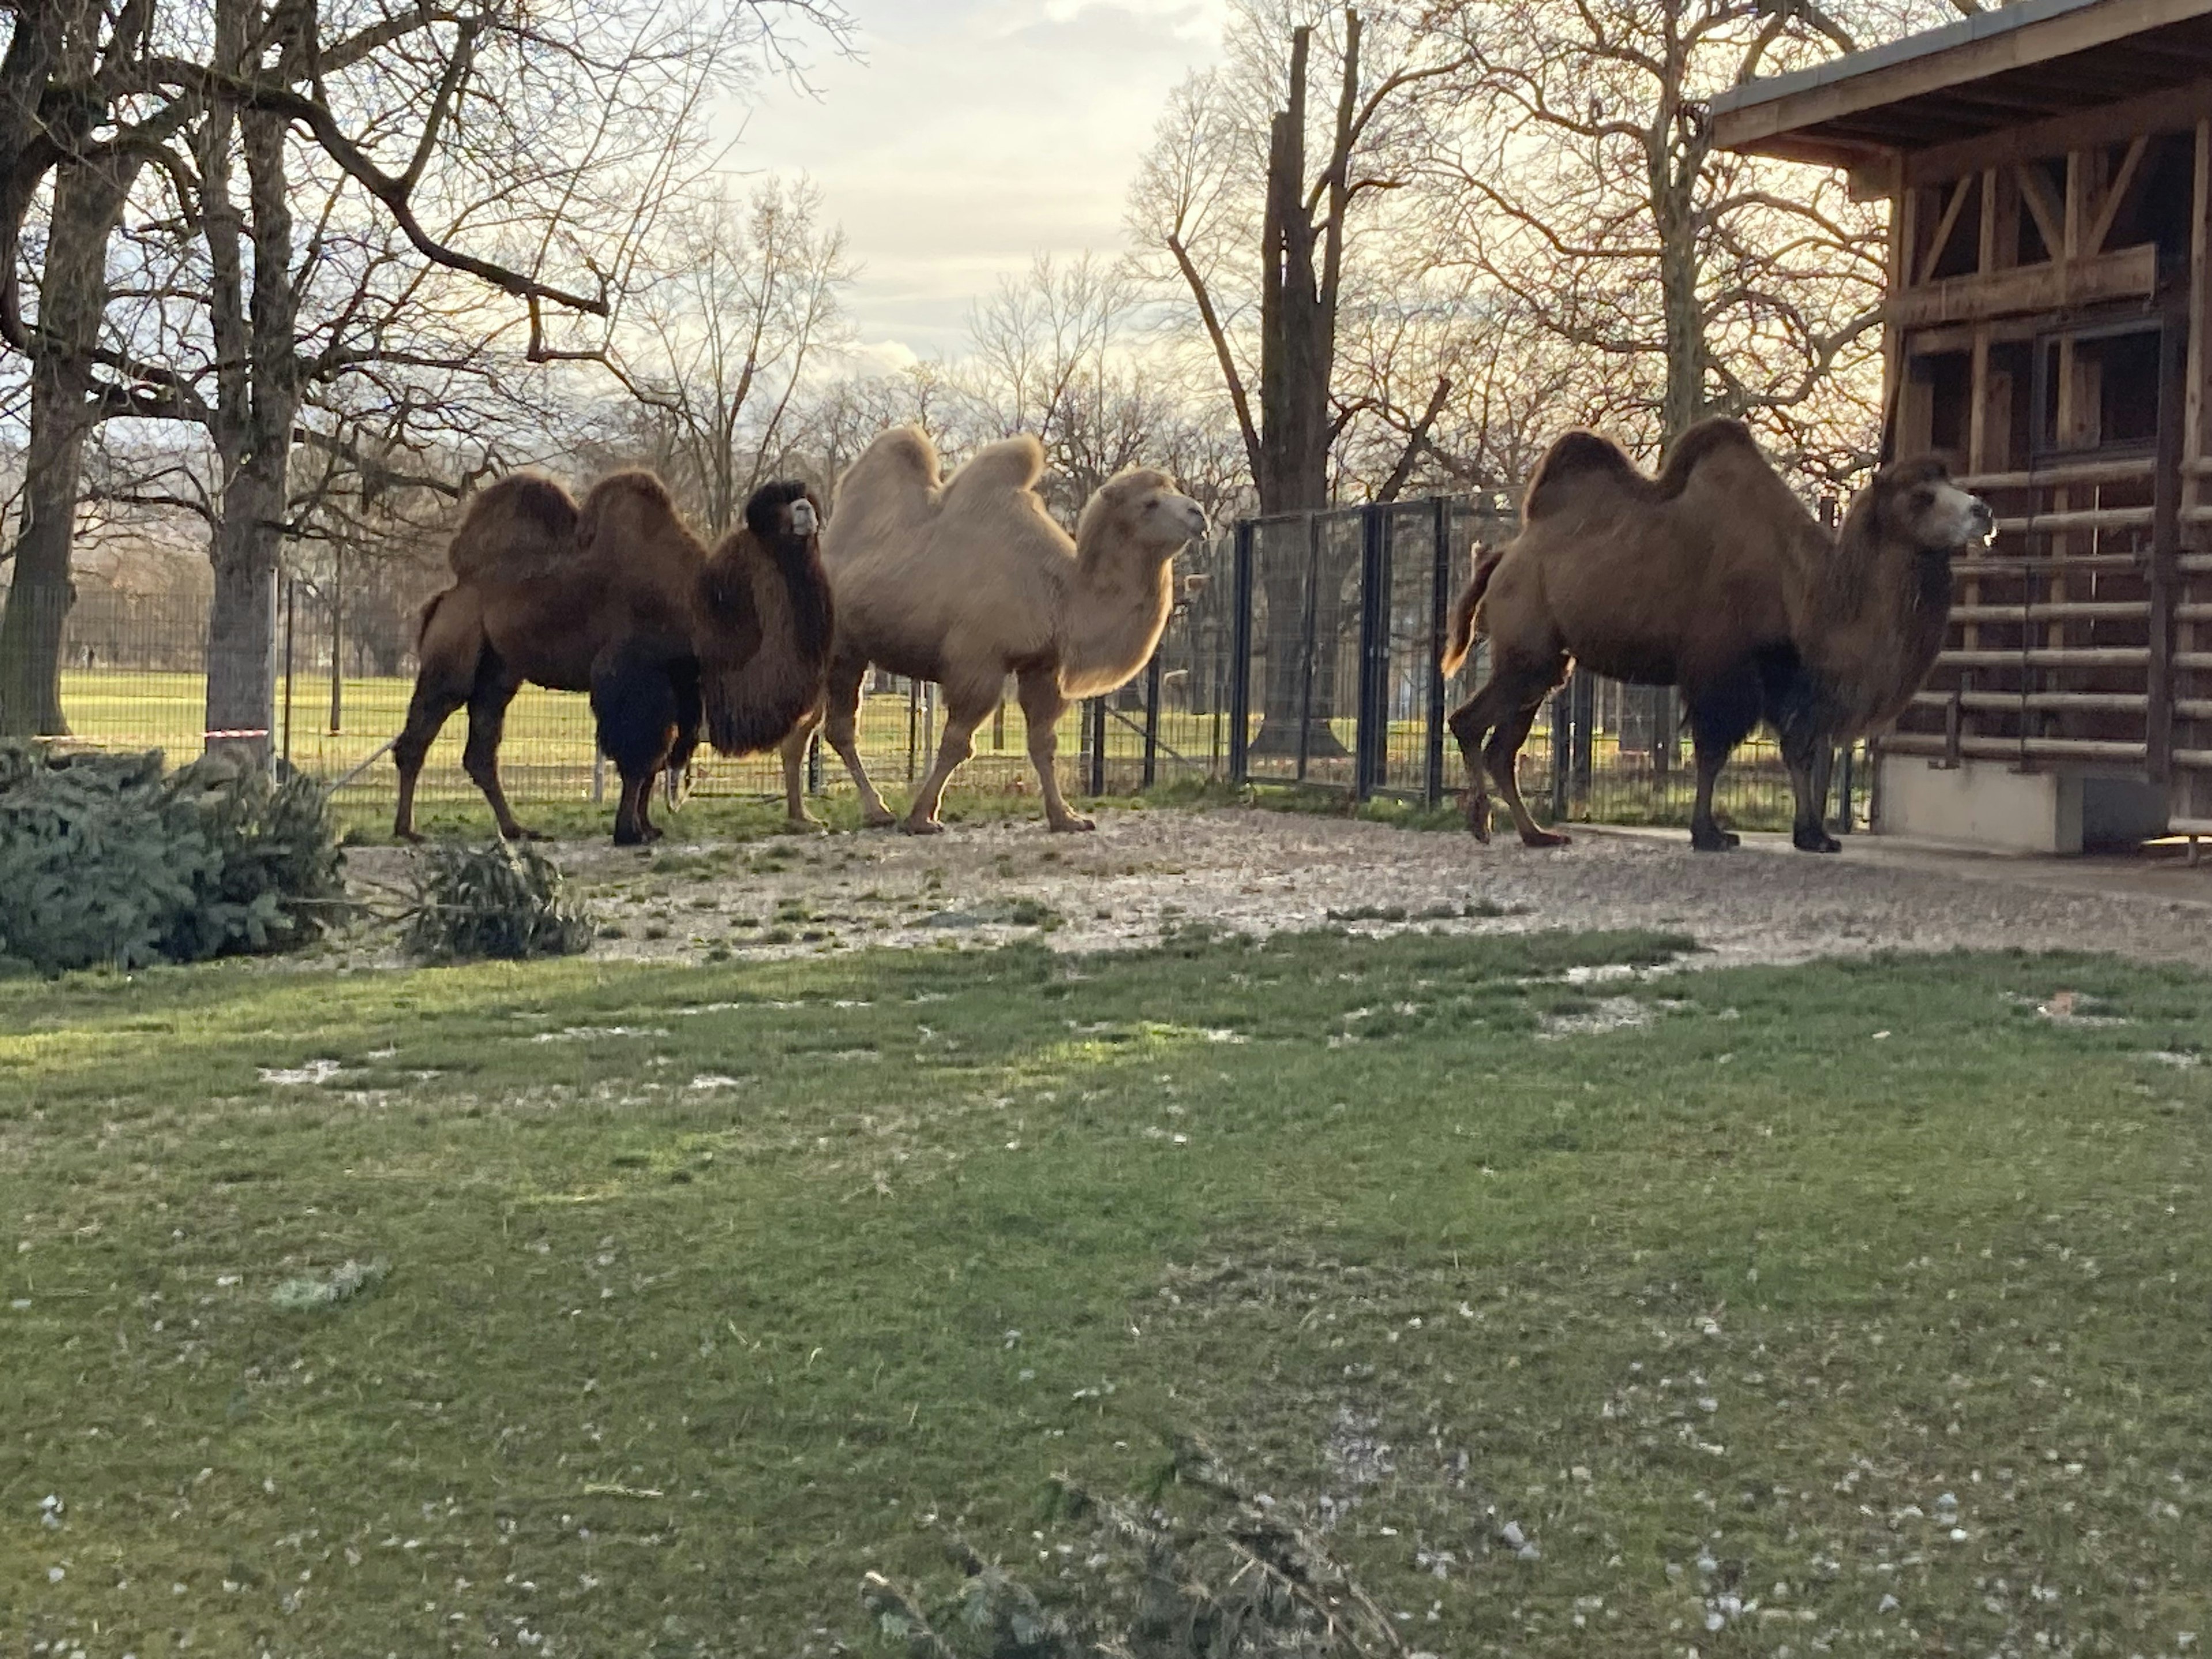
(1752, 125)
(2115, 194)
(2175, 110)
(2130, 274)
(1944, 227)
(2049, 214)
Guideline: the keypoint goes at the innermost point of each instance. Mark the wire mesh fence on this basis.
(1300, 649)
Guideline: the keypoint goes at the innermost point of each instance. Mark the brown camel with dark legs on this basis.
(1714, 579)
(618, 598)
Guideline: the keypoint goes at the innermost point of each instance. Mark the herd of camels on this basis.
(1712, 578)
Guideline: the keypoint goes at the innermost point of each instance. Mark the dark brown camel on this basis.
(1713, 578)
(619, 599)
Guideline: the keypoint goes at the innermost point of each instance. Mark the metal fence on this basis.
(1301, 649)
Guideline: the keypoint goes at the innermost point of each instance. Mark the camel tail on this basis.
(423, 617)
(1459, 638)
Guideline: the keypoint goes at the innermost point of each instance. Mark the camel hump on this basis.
(633, 499)
(521, 526)
(1011, 464)
(902, 459)
(1701, 443)
(1574, 456)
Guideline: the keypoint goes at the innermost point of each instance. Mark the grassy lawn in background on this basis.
(1851, 1307)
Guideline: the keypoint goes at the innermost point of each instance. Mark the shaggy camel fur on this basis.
(969, 580)
(618, 598)
(1714, 578)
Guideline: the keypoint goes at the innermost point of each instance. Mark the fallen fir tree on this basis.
(109, 860)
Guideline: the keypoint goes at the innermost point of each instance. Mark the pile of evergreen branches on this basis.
(106, 860)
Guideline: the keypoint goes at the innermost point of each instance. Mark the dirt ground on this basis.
(1144, 873)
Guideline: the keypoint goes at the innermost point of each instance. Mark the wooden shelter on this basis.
(2050, 289)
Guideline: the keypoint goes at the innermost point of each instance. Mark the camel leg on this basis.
(433, 703)
(842, 706)
(1722, 715)
(1041, 708)
(1501, 754)
(1810, 758)
(495, 689)
(1471, 722)
(964, 710)
(793, 749)
(639, 696)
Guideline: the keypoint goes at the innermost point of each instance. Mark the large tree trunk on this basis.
(40, 594)
(1298, 349)
(72, 302)
(255, 442)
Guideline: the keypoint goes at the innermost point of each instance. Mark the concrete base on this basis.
(1988, 804)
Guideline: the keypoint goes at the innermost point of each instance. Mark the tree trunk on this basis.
(1297, 349)
(40, 595)
(88, 201)
(257, 451)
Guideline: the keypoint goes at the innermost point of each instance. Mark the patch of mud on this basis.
(1146, 875)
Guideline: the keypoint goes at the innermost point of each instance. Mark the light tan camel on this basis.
(618, 598)
(967, 580)
(1712, 577)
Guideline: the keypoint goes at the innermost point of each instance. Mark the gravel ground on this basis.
(1255, 872)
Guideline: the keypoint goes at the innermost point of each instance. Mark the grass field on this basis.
(546, 756)
(1847, 1307)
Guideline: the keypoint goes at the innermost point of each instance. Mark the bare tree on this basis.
(724, 335)
(1586, 188)
(492, 181)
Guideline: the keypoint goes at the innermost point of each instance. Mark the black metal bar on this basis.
(1561, 741)
(289, 592)
(1307, 621)
(1371, 735)
(814, 763)
(1095, 715)
(1439, 605)
(913, 724)
(1845, 768)
(1240, 654)
(338, 641)
(1585, 719)
(2165, 543)
(1152, 721)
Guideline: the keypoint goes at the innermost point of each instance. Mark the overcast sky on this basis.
(973, 133)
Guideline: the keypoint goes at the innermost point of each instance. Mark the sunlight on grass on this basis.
(657, 1303)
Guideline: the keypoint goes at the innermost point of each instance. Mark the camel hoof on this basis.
(879, 819)
(1815, 841)
(412, 837)
(1478, 817)
(1071, 825)
(517, 832)
(1718, 840)
(805, 825)
(920, 827)
(1547, 838)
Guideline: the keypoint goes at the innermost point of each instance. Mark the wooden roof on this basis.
(2036, 62)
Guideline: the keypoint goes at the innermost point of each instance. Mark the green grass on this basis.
(703, 1289)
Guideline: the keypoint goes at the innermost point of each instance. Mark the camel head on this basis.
(784, 516)
(1914, 503)
(1140, 510)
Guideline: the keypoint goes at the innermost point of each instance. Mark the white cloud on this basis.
(976, 133)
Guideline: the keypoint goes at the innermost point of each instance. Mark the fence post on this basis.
(338, 641)
(290, 594)
(1582, 714)
(1308, 620)
(912, 723)
(1561, 741)
(814, 762)
(1152, 720)
(1439, 605)
(1240, 654)
(1369, 741)
(1094, 713)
